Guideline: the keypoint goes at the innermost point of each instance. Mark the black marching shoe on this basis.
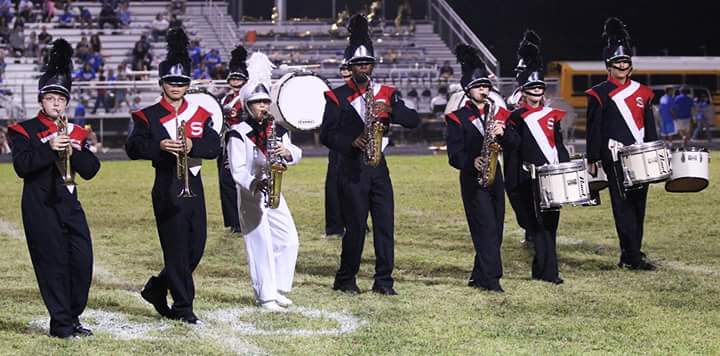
(494, 288)
(190, 319)
(348, 288)
(235, 229)
(643, 265)
(82, 331)
(153, 294)
(384, 290)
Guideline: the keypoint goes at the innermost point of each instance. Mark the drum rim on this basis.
(567, 203)
(659, 179)
(691, 149)
(563, 167)
(279, 89)
(642, 147)
(668, 185)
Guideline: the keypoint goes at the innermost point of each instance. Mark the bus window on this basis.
(597, 79)
(579, 84)
(660, 79)
(704, 80)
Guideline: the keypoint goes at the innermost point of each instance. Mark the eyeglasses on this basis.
(54, 99)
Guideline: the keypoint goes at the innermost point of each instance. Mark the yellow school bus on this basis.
(574, 77)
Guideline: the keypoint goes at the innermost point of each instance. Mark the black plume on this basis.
(359, 31)
(530, 55)
(238, 56)
(177, 44)
(60, 57)
(532, 37)
(468, 57)
(615, 32)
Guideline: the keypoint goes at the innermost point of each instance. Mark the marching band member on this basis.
(232, 110)
(181, 221)
(540, 143)
(484, 206)
(271, 239)
(57, 233)
(619, 113)
(334, 225)
(364, 187)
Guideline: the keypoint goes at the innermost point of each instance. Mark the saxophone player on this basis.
(466, 135)
(271, 239)
(540, 142)
(181, 222)
(56, 230)
(365, 188)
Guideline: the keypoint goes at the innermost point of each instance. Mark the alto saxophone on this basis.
(63, 163)
(274, 168)
(374, 129)
(182, 168)
(490, 148)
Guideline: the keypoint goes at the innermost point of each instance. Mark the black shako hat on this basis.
(474, 71)
(58, 76)
(175, 69)
(360, 49)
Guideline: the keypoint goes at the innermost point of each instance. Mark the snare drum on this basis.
(598, 181)
(208, 102)
(563, 184)
(642, 163)
(690, 170)
(298, 100)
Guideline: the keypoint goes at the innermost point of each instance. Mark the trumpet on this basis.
(63, 163)
(181, 167)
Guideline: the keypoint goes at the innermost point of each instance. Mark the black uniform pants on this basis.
(61, 253)
(485, 213)
(228, 194)
(333, 215)
(541, 226)
(629, 214)
(182, 227)
(370, 191)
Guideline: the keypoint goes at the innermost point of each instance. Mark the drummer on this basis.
(540, 143)
(620, 114)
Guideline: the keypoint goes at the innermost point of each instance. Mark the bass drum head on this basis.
(458, 99)
(208, 102)
(686, 185)
(298, 100)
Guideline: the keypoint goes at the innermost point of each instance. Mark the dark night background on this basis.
(570, 29)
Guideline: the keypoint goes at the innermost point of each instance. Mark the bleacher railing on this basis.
(222, 24)
(453, 30)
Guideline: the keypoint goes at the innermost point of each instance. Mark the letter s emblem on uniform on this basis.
(196, 129)
(639, 102)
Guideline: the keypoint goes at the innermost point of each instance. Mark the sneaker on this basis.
(272, 306)
(283, 301)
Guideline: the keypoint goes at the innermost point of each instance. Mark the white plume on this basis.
(260, 70)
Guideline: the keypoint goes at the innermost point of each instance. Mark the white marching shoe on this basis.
(283, 301)
(271, 306)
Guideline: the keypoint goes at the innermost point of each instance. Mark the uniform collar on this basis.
(45, 119)
(166, 104)
(617, 82)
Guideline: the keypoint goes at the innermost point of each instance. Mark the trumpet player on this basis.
(350, 111)
(232, 110)
(47, 150)
(177, 195)
(537, 128)
(467, 130)
(256, 147)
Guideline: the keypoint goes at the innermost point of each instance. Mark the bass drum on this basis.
(209, 102)
(298, 100)
(458, 99)
(690, 170)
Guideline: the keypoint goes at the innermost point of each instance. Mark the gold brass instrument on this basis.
(490, 149)
(274, 168)
(181, 167)
(374, 129)
(63, 162)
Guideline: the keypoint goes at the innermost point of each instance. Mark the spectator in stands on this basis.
(82, 49)
(176, 22)
(424, 102)
(96, 61)
(7, 10)
(101, 96)
(4, 29)
(177, 7)
(667, 121)
(195, 52)
(219, 72)
(201, 71)
(16, 40)
(79, 117)
(212, 59)
(44, 38)
(67, 18)
(107, 16)
(124, 16)
(4, 146)
(703, 112)
(392, 55)
(25, 10)
(135, 106)
(85, 19)
(411, 100)
(439, 101)
(159, 26)
(95, 43)
(446, 71)
(85, 74)
(682, 111)
(49, 10)
(33, 48)
(119, 94)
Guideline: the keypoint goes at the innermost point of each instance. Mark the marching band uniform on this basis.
(232, 110)
(540, 143)
(271, 239)
(181, 222)
(364, 188)
(620, 115)
(484, 207)
(56, 230)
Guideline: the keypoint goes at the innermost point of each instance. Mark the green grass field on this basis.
(599, 310)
